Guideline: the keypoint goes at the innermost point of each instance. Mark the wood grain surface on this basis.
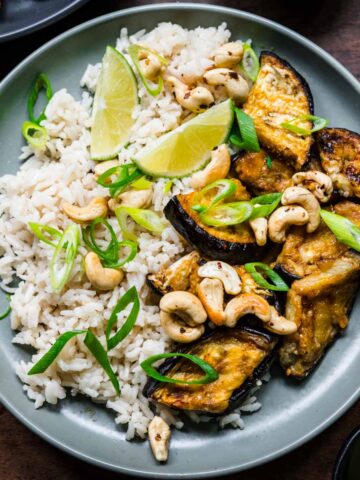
(335, 26)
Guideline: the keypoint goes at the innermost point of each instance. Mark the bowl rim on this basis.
(340, 462)
(261, 21)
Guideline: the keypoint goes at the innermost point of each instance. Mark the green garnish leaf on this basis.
(131, 296)
(268, 161)
(35, 135)
(143, 217)
(6, 312)
(39, 230)
(61, 268)
(211, 375)
(250, 62)
(248, 140)
(264, 205)
(227, 214)
(318, 124)
(134, 54)
(41, 83)
(343, 229)
(278, 283)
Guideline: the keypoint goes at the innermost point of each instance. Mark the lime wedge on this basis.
(114, 103)
(188, 147)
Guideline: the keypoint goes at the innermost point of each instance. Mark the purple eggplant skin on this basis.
(209, 245)
(240, 394)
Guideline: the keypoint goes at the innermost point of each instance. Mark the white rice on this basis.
(64, 172)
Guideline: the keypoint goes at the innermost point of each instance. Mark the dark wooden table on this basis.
(335, 26)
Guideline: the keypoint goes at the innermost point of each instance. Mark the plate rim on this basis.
(262, 21)
(45, 22)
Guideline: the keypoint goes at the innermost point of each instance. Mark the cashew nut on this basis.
(103, 167)
(132, 198)
(302, 196)
(280, 325)
(182, 316)
(195, 100)
(244, 304)
(150, 65)
(228, 55)
(236, 86)
(159, 438)
(284, 217)
(216, 169)
(319, 183)
(101, 278)
(225, 273)
(211, 295)
(259, 226)
(96, 208)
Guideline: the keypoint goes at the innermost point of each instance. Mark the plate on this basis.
(292, 413)
(19, 17)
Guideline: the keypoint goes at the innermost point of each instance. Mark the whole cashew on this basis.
(302, 196)
(195, 100)
(150, 65)
(96, 208)
(244, 304)
(103, 167)
(211, 295)
(228, 55)
(236, 86)
(279, 324)
(179, 331)
(159, 438)
(225, 273)
(322, 183)
(217, 168)
(284, 217)
(101, 278)
(133, 198)
(259, 227)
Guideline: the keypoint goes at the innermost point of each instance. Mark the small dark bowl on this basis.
(347, 465)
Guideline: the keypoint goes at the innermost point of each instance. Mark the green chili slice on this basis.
(318, 124)
(278, 283)
(60, 269)
(225, 189)
(344, 230)
(211, 375)
(6, 312)
(264, 205)
(227, 214)
(134, 54)
(248, 140)
(250, 62)
(34, 134)
(40, 230)
(131, 296)
(143, 217)
(41, 83)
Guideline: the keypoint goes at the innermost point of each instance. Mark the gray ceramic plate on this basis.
(19, 17)
(292, 412)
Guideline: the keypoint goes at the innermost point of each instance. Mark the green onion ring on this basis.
(227, 214)
(250, 63)
(134, 54)
(264, 205)
(344, 230)
(6, 312)
(41, 83)
(211, 375)
(225, 187)
(127, 174)
(34, 134)
(278, 283)
(142, 216)
(38, 229)
(318, 124)
(142, 184)
(248, 140)
(59, 275)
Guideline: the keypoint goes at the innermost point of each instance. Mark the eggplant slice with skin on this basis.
(339, 151)
(241, 356)
(280, 94)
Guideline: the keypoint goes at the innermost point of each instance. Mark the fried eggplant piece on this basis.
(259, 177)
(339, 151)
(279, 95)
(241, 356)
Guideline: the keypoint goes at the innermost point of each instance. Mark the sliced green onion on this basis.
(167, 187)
(268, 161)
(126, 175)
(134, 54)
(101, 356)
(35, 135)
(225, 188)
(39, 230)
(47, 359)
(142, 184)
(131, 296)
(264, 205)
(211, 375)
(250, 62)
(318, 124)
(143, 217)
(278, 283)
(41, 83)
(110, 255)
(6, 312)
(227, 214)
(60, 269)
(343, 229)
(248, 140)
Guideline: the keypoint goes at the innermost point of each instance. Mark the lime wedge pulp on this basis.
(114, 103)
(188, 147)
